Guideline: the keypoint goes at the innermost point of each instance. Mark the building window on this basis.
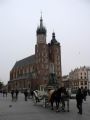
(85, 82)
(85, 73)
(81, 83)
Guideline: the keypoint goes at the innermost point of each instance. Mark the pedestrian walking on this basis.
(12, 94)
(16, 91)
(79, 100)
(26, 94)
(4, 93)
(31, 93)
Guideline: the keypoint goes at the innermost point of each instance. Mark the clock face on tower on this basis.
(41, 39)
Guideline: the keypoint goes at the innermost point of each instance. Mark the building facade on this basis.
(79, 78)
(35, 70)
(88, 73)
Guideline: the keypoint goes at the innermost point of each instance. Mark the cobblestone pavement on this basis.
(26, 110)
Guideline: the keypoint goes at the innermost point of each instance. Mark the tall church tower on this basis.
(41, 54)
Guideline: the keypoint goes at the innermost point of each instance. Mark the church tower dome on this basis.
(53, 40)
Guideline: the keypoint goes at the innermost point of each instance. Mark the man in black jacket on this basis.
(79, 99)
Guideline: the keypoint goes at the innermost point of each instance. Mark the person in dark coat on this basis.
(79, 99)
(31, 93)
(16, 91)
(12, 94)
(26, 94)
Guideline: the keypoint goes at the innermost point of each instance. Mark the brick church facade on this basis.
(35, 70)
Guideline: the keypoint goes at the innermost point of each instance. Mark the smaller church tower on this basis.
(41, 54)
(55, 58)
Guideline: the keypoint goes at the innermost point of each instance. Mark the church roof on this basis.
(25, 61)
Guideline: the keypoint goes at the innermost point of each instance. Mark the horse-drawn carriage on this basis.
(49, 94)
(40, 95)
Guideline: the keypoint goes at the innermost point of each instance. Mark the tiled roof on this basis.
(25, 61)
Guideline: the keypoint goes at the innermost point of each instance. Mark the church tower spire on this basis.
(41, 29)
(41, 32)
(41, 21)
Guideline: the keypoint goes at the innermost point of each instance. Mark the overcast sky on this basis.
(70, 19)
